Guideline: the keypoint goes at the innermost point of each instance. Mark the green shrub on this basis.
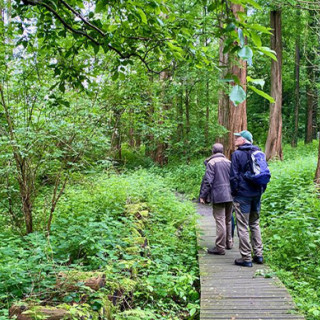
(131, 227)
(291, 227)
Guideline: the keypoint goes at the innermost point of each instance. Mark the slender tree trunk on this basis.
(149, 138)
(160, 156)
(206, 126)
(131, 129)
(315, 111)
(180, 116)
(294, 140)
(310, 102)
(274, 141)
(187, 104)
(234, 119)
(116, 135)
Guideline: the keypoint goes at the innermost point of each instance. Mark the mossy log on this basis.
(23, 312)
(71, 281)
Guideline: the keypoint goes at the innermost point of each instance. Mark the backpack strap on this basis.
(248, 166)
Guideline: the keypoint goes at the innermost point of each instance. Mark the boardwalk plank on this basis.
(236, 293)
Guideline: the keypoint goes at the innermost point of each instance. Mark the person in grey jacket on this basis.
(216, 183)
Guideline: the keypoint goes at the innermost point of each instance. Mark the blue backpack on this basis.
(258, 171)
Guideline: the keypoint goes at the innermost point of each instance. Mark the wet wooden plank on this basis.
(232, 292)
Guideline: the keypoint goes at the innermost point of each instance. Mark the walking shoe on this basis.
(257, 259)
(242, 263)
(216, 251)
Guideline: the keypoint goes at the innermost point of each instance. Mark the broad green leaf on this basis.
(245, 53)
(122, 76)
(255, 38)
(101, 6)
(241, 37)
(262, 94)
(142, 16)
(260, 82)
(175, 48)
(268, 52)
(212, 6)
(247, 2)
(253, 4)
(112, 27)
(115, 76)
(237, 95)
(260, 28)
(230, 27)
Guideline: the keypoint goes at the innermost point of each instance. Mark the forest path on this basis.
(235, 293)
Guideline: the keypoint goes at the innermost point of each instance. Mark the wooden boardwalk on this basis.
(236, 293)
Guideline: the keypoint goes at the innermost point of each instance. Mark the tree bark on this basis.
(116, 135)
(131, 129)
(309, 110)
(294, 140)
(180, 115)
(206, 126)
(234, 119)
(273, 148)
(160, 155)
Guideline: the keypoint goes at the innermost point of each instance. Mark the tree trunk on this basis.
(206, 126)
(180, 116)
(234, 119)
(315, 126)
(274, 141)
(131, 130)
(187, 104)
(310, 101)
(160, 155)
(294, 140)
(116, 135)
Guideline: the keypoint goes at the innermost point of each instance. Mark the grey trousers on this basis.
(222, 213)
(248, 218)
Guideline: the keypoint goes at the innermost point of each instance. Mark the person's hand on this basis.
(202, 201)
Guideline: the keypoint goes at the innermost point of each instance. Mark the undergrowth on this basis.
(132, 229)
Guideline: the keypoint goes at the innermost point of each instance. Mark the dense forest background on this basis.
(91, 91)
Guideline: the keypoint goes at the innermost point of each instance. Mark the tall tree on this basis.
(233, 118)
(297, 85)
(273, 147)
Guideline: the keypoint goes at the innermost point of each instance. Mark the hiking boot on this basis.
(257, 259)
(229, 247)
(216, 251)
(243, 263)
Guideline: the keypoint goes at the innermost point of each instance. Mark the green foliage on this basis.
(291, 226)
(130, 227)
(185, 178)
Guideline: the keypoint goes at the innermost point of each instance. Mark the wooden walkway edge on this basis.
(235, 293)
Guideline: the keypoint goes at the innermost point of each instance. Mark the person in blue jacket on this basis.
(246, 201)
